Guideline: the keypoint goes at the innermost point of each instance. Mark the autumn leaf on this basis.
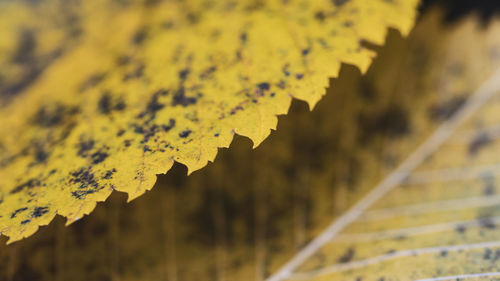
(244, 222)
(435, 216)
(99, 96)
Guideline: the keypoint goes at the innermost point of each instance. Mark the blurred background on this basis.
(245, 215)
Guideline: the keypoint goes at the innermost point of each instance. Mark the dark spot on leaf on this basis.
(171, 124)
(14, 214)
(339, 2)
(84, 178)
(208, 72)
(320, 16)
(48, 117)
(236, 109)
(25, 221)
(120, 105)
(264, 86)
(53, 115)
(104, 103)
(167, 24)
(153, 105)
(348, 23)
(84, 147)
(39, 211)
(446, 109)
(92, 81)
(285, 70)
(181, 99)
(193, 18)
(185, 133)
(487, 223)
(138, 129)
(26, 47)
(281, 84)
(254, 6)
(480, 141)
(139, 36)
(123, 60)
(183, 74)
(347, 256)
(98, 157)
(460, 229)
(489, 186)
(40, 155)
(138, 72)
(31, 64)
(109, 174)
(151, 2)
(147, 130)
(28, 184)
(243, 37)
(497, 255)
(487, 254)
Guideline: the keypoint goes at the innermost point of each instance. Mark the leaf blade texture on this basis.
(303, 177)
(434, 216)
(104, 95)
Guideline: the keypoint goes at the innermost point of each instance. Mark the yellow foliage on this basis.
(243, 222)
(99, 96)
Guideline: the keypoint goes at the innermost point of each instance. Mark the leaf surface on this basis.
(293, 185)
(435, 216)
(104, 95)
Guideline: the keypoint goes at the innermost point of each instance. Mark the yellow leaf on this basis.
(99, 96)
(305, 175)
(435, 216)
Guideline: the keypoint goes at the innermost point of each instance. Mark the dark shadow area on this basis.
(456, 9)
